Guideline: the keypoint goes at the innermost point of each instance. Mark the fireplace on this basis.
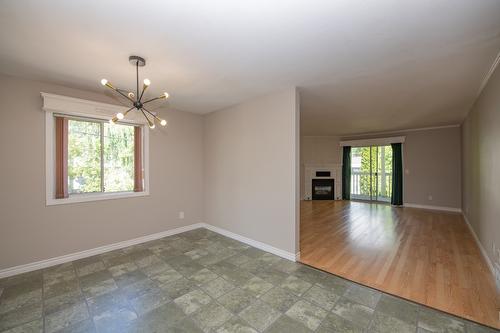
(323, 189)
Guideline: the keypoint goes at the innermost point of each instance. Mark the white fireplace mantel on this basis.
(310, 173)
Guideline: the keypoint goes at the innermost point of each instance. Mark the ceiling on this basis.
(361, 66)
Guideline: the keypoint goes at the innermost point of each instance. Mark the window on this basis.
(90, 159)
(100, 157)
(84, 157)
(94, 156)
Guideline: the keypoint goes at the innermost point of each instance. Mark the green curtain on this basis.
(397, 174)
(346, 173)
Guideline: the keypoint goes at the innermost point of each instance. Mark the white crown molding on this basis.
(430, 128)
(484, 82)
(373, 142)
(92, 252)
(487, 76)
(119, 245)
(85, 108)
(429, 207)
(384, 132)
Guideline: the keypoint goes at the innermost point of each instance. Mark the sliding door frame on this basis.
(374, 197)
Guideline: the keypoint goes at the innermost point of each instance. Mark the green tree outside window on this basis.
(100, 157)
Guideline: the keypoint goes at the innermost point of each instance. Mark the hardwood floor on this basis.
(425, 256)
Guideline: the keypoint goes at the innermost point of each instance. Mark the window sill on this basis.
(95, 197)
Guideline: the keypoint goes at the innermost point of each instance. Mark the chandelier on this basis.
(136, 99)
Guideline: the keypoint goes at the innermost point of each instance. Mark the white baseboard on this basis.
(442, 208)
(92, 252)
(263, 246)
(481, 248)
(115, 246)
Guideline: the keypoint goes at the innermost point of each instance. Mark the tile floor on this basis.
(200, 281)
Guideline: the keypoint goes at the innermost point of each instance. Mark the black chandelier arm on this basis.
(142, 93)
(151, 113)
(145, 116)
(124, 90)
(121, 93)
(152, 99)
(115, 118)
(136, 99)
(126, 112)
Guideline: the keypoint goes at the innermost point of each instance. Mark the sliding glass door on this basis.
(371, 173)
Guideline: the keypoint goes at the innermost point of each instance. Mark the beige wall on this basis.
(251, 169)
(432, 162)
(481, 166)
(320, 150)
(30, 231)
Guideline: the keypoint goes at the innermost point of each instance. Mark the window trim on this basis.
(79, 108)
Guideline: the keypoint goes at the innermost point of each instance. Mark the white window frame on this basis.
(75, 107)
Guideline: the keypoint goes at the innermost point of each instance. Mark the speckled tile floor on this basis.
(200, 281)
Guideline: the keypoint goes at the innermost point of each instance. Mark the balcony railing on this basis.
(381, 187)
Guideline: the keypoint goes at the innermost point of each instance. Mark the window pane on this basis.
(118, 158)
(360, 173)
(84, 157)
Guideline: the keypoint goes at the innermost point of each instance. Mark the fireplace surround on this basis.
(323, 189)
(321, 171)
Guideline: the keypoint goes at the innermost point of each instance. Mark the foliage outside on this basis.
(373, 177)
(86, 154)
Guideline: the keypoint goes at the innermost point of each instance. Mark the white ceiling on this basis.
(361, 66)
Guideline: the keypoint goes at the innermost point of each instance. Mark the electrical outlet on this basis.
(181, 215)
(429, 197)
